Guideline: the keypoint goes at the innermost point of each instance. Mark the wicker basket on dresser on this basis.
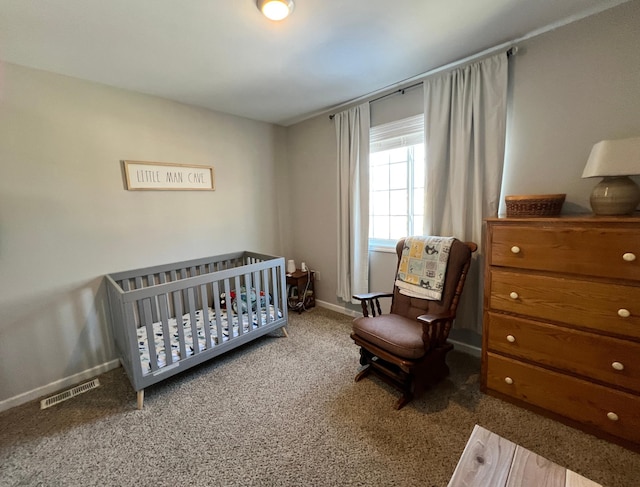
(562, 320)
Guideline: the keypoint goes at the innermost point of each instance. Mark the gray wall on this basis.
(572, 88)
(569, 89)
(66, 219)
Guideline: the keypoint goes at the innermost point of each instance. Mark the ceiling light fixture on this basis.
(275, 9)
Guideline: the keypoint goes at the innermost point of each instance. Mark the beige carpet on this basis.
(282, 412)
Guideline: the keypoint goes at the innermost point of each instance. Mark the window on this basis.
(396, 181)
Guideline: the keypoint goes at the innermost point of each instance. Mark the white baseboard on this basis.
(58, 385)
(339, 309)
(460, 346)
(466, 348)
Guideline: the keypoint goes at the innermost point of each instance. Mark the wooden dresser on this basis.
(562, 320)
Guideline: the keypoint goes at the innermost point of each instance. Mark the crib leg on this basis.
(284, 330)
(140, 398)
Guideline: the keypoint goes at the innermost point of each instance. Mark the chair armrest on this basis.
(435, 328)
(371, 300)
(361, 297)
(431, 319)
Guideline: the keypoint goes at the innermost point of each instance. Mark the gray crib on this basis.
(168, 318)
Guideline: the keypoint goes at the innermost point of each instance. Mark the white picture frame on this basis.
(165, 176)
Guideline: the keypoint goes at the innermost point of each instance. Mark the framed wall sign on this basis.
(141, 175)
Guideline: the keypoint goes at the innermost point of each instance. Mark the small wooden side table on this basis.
(301, 290)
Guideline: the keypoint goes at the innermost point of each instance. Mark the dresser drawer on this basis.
(608, 410)
(606, 359)
(575, 249)
(588, 304)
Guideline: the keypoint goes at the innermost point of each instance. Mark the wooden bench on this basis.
(490, 460)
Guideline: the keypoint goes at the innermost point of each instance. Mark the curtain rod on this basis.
(510, 52)
(399, 90)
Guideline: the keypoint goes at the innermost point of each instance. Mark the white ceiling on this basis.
(224, 55)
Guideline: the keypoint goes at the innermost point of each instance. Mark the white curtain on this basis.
(465, 124)
(352, 134)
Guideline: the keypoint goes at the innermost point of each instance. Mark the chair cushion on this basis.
(396, 334)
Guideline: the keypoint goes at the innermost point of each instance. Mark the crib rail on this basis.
(151, 304)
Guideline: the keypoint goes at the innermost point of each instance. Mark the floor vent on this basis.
(63, 396)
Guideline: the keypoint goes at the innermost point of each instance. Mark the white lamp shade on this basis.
(614, 158)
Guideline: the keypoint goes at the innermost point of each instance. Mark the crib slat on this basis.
(265, 280)
(258, 286)
(145, 318)
(162, 277)
(151, 281)
(202, 270)
(138, 285)
(205, 315)
(126, 286)
(166, 334)
(239, 306)
(193, 273)
(178, 312)
(183, 275)
(218, 311)
(164, 318)
(211, 268)
(276, 292)
(227, 293)
(191, 301)
(248, 285)
(173, 276)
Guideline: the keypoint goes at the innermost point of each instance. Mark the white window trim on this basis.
(408, 131)
(386, 246)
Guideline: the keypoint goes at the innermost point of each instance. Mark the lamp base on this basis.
(615, 195)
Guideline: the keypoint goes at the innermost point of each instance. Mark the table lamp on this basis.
(614, 161)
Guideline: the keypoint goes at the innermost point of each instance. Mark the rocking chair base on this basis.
(410, 377)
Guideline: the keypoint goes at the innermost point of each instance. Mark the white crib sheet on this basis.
(143, 344)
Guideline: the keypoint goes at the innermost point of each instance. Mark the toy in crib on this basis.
(244, 300)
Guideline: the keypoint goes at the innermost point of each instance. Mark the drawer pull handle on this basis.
(513, 295)
(515, 249)
(511, 338)
(624, 313)
(612, 416)
(629, 257)
(508, 380)
(617, 365)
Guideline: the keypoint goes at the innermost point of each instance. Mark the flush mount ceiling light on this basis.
(275, 9)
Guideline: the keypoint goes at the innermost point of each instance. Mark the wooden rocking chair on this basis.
(407, 348)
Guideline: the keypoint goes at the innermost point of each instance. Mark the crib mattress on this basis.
(161, 353)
